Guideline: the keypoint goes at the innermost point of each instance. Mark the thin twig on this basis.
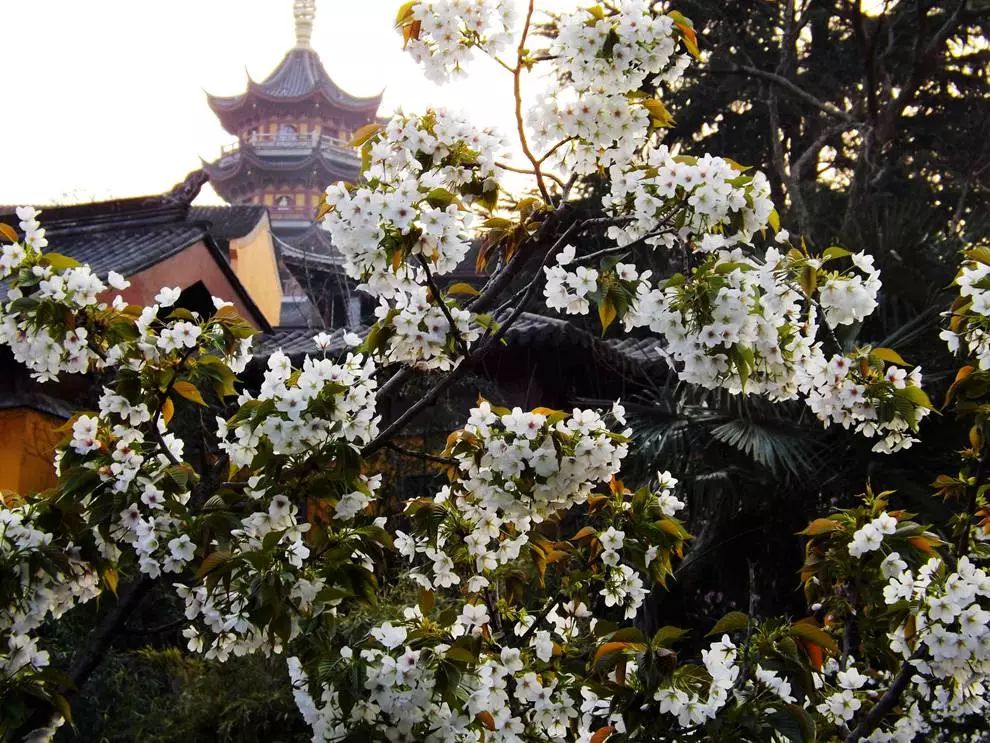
(517, 92)
(420, 454)
(438, 295)
(789, 86)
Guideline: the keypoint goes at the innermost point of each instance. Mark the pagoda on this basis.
(292, 131)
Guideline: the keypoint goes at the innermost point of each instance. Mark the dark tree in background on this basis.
(876, 124)
(872, 120)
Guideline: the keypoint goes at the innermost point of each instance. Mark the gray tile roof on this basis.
(529, 330)
(127, 251)
(228, 222)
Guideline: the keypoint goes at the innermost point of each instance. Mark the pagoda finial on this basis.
(304, 12)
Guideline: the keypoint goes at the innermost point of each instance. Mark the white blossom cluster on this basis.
(413, 216)
(413, 204)
(713, 202)
(623, 586)
(45, 351)
(594, 113)
(741, 325)
(450, 29)
(421, 332)
(567, 291)
(321, 403)
(848, 297)
(971, 322)
(692, 709)
(515, 470)
(41, 591)
(950, 616)
(403, 700)
(869, 537)
(838, 393)
(223, 612)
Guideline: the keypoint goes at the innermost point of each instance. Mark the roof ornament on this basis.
(304, 12)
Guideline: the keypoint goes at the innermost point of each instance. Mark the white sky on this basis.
(105, 98)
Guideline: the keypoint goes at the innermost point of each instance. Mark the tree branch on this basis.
(420, 454)
(438, 295)
(783, 82)
(886, 702)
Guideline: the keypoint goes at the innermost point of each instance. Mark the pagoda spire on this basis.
(304, 12)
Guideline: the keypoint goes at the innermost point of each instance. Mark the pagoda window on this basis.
(287, 133)
(283, 202)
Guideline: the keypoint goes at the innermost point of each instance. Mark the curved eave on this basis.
(247, 158)
(256, 94)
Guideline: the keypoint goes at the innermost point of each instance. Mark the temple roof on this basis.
(530, 330)
(133, 234)
(228, 222)
(311, 249)
(328, 165)
(299, 76)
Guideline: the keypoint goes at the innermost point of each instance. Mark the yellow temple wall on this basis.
(27, 446)
(253, 259)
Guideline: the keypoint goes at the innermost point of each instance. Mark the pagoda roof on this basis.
(299, 76)
(312, 248)
(330, 166)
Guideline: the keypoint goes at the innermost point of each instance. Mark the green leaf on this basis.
(917, 396)
(366, 132)
(462, 287)
(610, 648)
(774, 220)
(812, 633)
(666, 636)
(819, 527)
(61, 262)
(212, 561)
(440, 198)
(835, 252)
(734, 621)
(189, 391)
(889, 355)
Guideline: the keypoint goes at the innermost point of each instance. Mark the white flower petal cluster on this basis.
(691, 709)
(515, 470)
(593, 112)
(970, 328)
(224, 624)
(42, 591)
(950, 611)
(567, 291)
(742, 325)
(713, 202)
(421, 334)
(838, 393)
(869, 537)
(847, 298)
(449, 30)
(321, 403)
(404, 697)
(416, 165)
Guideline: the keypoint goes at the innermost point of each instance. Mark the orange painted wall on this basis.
(27, 446)
(195, 263)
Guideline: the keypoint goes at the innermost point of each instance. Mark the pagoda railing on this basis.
(290, 143)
